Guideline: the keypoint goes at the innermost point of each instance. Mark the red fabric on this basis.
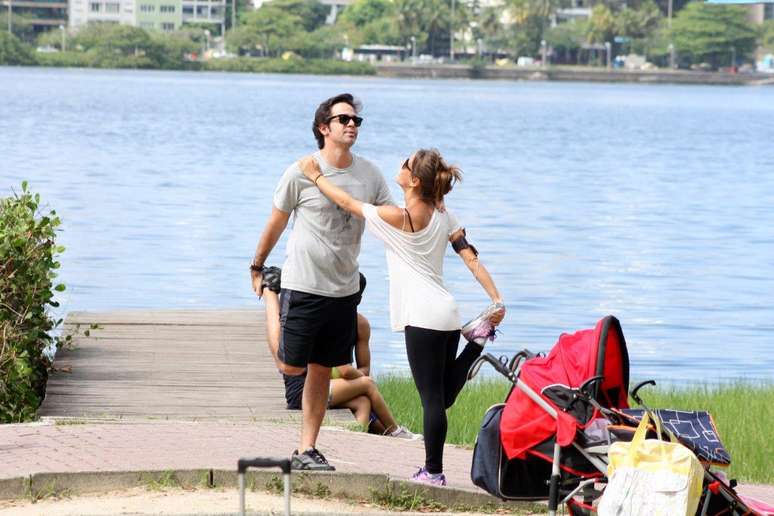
(572, 361)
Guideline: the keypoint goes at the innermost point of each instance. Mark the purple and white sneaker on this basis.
(481, 329)
(424, 477)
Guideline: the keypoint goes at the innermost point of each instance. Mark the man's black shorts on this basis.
(317, 329)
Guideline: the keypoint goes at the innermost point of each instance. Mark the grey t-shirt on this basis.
(325, 242)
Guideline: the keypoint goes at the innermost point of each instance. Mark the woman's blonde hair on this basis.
(436, 177)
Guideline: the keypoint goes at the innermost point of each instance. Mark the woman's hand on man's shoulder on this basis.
(309, 167)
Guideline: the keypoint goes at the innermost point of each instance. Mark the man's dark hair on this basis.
(323, 113)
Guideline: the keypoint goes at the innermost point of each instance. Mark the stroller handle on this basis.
(639, 386)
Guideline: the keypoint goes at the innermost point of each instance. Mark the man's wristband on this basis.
(317, 178)
(256, 268)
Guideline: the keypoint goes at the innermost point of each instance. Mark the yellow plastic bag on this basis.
(650, 477)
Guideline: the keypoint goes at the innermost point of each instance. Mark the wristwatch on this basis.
(256, 268)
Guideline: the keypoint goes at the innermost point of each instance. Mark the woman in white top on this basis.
(416, 237)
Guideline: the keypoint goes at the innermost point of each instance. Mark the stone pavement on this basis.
(48, 447)
(31, 448)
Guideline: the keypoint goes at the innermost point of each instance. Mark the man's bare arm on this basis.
(278, 221)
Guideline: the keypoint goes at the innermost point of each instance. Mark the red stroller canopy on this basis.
(575, 358)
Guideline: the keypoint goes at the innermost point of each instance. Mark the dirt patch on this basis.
(177, 501)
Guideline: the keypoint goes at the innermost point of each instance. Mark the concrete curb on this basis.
(319, 484)
(12, 488)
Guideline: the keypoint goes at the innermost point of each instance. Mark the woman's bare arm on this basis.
(481, 274)
(311, 170)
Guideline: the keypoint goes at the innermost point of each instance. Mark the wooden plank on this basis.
(171, 364)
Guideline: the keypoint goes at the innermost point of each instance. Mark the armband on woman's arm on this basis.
(460, 243)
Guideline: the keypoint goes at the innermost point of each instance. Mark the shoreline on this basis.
(464, 71)
(572, 74)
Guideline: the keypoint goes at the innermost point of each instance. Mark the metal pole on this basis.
(233, 14)
(286, 478)
(10, 15)
(451, 33)
(241, 494)
(669, 13)
(608, 49)
(61, 27)
(543, 53)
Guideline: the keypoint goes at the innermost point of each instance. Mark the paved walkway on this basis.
(26, 449)
(47, 448)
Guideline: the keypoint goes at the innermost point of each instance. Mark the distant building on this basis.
(164, 15)
(45, 14)
(101, 11)
(336, 7)
(758, 13)
(161, 15)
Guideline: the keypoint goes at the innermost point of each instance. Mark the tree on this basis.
(311, 13)
(114, 39)
(269, 28)
(370, 21)
(638, 23)
(323, 43)
(713, 33)
(490, 29)
(601, 27)
(566, 39)
(169, 49)
(363, 12)
(531, 20)
(767, 35)
(13, 51)
(53, 38)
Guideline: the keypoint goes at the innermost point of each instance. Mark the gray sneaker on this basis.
(310, 460)
(404, 433)
(272, 279)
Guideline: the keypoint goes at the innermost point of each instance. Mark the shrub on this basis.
(13, 51)
(293, 65)
(27, 269)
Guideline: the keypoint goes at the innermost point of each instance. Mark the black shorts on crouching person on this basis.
(317, 329)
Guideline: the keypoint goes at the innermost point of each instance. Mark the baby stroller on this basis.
(550, 439)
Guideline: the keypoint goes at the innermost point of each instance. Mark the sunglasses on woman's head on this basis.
(344, 119)
(406, 165)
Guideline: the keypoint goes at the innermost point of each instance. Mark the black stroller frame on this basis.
(715, 491)
(511, 371)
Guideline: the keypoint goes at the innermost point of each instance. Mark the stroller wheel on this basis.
(578, 510)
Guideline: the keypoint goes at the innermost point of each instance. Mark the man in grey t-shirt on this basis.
(320, 276)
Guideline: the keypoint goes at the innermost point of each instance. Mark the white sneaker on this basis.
(481, 329)
(404, 433)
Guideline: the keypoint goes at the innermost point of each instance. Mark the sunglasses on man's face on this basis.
(344, 119)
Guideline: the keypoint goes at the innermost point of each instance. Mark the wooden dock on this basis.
(172, 364)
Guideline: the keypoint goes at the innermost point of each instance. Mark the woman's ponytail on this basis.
(436, 177)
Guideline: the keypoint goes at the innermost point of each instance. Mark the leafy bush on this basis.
(27, 271)
(13, 51)
(295, 65)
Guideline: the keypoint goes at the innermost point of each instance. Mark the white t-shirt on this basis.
(418, 296)
(323, 248)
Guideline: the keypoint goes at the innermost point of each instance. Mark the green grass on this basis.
(743, 414)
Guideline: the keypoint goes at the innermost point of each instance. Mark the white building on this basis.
(164, 15)
(110, 11)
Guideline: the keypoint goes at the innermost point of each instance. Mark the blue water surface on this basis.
(652, 203)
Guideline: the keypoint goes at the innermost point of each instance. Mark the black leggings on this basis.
(439, 375)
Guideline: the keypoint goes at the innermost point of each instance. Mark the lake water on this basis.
(652, 203)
